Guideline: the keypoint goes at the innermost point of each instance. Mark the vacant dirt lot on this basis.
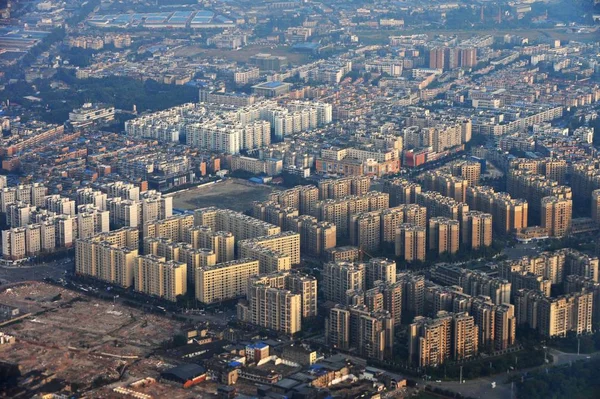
(233, 194)
(72, 338)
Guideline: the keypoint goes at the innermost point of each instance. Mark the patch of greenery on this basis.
(578, 380)
(122, 92)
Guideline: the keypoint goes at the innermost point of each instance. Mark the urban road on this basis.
(36, 272)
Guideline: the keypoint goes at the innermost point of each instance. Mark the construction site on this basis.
(68, 342)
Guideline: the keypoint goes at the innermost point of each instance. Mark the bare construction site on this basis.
(82, 344)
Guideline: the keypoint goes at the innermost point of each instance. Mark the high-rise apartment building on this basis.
(109, 256)
(401, 191)
(274, 308)
(413, 294)
(477, 230)
(126, 191)
(448, 336)
(388, 297)
(341, 277)
(505, 328)
(468, 57)
(437, 58)
(596, 206)
(60, 205)
(13, 243)
(465, 337)
(180, 252)
(303, 198)
(556, 215)
(306, 286)
(124, 212)
(173, 228)
(430, 340)
(439, 205)
(107, 262)
(91, 221)
(241, 226)
(315, 237)
(411, 242)
(159, 277)
(337, 328)
(339, 211)
(508, 214)
(379, 269)
(224, 281)
(391, 219)
(88, 195)
(340, 188)
(343, 254)
(371, 333)
(222, 243)
(448, 185)
(468, 170)
(555, 317)
(274, 213)
(574, 284)
(473, 283)
(533, 188)
(286, 243)
(443, 235)
(365, 231)
(155, 207)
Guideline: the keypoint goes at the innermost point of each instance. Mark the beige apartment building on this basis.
(534, 188)
(222, 243)
(105, 261)
(446, 184)
(365, 231)
(556, 215)
(379, 269)
(224, 281)
(108, 256)
(468, 170)
(159, 277)
(274, 308)
(303, 198)
(477, 230)
(173, 228)
(286, 243)
(465, 337)
(91, 221)
(306, 286)
(430, 340)
(411, 242)
(272, 303)
(496, 323)
(371, 333)
(241, 226)
(343, 254)
(440, 205)
(443, 235)
(341, 277)
(447, 336)
(315, 237)
(339, 188)
(555, 317)
(401, 191)
(180, 252)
